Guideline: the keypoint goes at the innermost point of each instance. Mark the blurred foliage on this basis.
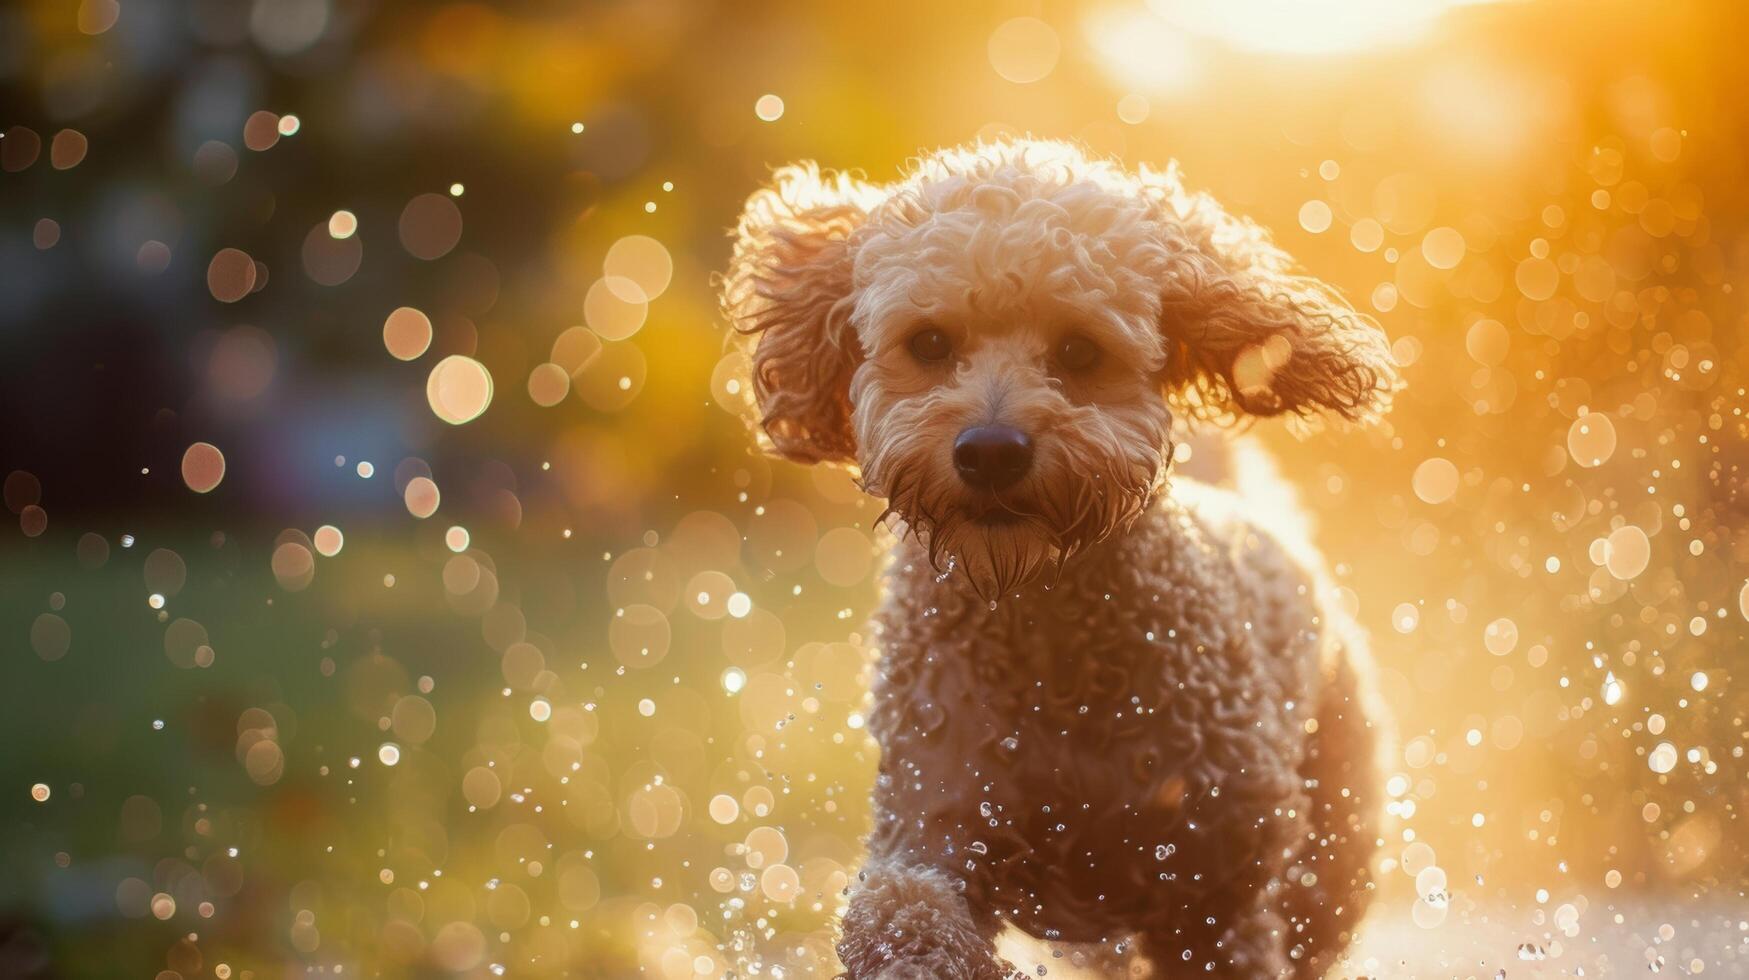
(611, 724)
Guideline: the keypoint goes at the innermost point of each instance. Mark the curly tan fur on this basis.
(789, 281)
(1109, 713)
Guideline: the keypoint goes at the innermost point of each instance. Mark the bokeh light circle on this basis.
(459, 389)
(430, 226)
(328, 540)
(1133, 108)
(1488, 342)
(1537, 278)
(844, 556)
(67, 149)
(1591, 439)
(230, 275)
(641, 260)
(203, 467)
(1628, 553)
(1443, 247)
(639, 636)
(407, 333)
(768, 107)
(294, 567)
(548, 384)
(1024, 49)
(421, 497)
(615, 307)
(50, 636)
(1436, 480)
(330, 261)
(575, 349)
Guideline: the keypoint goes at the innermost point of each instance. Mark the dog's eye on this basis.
(1077, 353)
(930, 344)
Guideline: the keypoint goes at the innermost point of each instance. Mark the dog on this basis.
(1112, 710)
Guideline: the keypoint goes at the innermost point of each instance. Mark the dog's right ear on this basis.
(1249, 333)
(788, 289)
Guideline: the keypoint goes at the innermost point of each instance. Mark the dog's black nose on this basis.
(990, 457)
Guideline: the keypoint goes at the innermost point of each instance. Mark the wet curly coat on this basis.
(1110, 711)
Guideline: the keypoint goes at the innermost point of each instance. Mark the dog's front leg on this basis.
(906, 922)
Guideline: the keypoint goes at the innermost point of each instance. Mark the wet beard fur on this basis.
(994, 560)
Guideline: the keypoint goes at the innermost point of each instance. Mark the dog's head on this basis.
(998, 340)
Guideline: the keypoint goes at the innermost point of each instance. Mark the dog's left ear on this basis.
(788, 289)
(1245, 333)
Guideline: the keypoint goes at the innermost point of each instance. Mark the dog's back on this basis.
(1236, 478)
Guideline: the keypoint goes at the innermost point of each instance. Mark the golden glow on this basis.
(1141, 51)
(652, 754)
(1304, 26)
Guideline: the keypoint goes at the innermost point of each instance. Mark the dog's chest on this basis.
(1079, 742)
(1120, 676)
(1085, 703)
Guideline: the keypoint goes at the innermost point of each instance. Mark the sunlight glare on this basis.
(1141, 51)
(1304, 26)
